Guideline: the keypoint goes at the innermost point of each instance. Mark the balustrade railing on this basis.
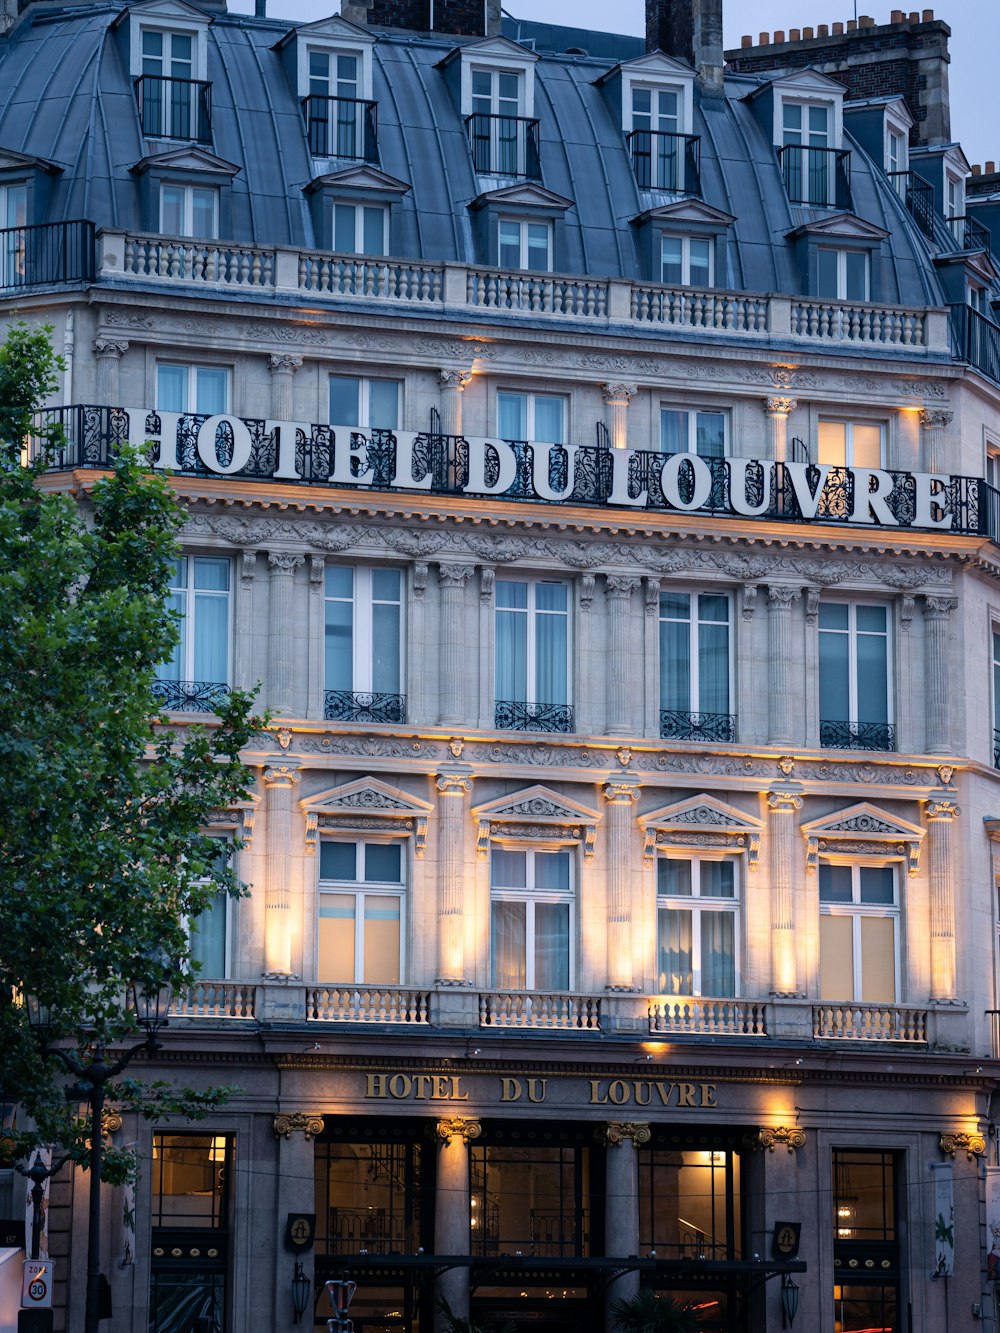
(49, 253)
(504, 145)
(367, 1004)
(190, 696)
(835, 735)
(370, 277)
(870, 1022)
(663, 161)
(537, 293)
(174, 108)
(849, 321)
(817, 176)
(708, 1018)
(215, 999)
(199, 261)
(531, 1009)
(345, 127)
(347, 706)
(677, 725)
(510, 715)
(691, 308)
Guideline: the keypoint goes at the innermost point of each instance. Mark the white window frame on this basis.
(834, 135)
(228, 925)
(693, 622)
(991, 461)
(360, 890)
(359, 207)
(522, 225)
(896, 148)
(693, 414)
(187, 641)
(696, 905)
(362, 632)
(675, 82)
(531, 396)
(853, 692)
(333, 48)
(995, 693)
(686, 242)
(849, 424)
(531, 638)
(857, 910)
(192, 369)
(525, 90)
(12, 253)
(364, 401)
(530, 896)
(196, 31)
(842, 252)
(187, 225)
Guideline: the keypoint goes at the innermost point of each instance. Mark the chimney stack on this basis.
(457, 18)
(690, 30)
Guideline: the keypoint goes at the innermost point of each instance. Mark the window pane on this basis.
(339, 581)
(833, 615)
(674, 949)
(710, 434)
(701, 263)
(550, 596)
(344, 228)
(345, 395)
(714, 608)
(877, 884)
(671, 260)
(857, 276)
(382, 924)
(172, 210)
(836, 958)
(713, 668)
(512, 594)
(211, 574)
(386, 585)
(548, 419)
(834, 883)
(551, 946)
(826, 274)
(832, 441)
(673, 431)
(676, 605)
(878, 960)
(871, 619)
(512, 416)
(171, 388)
(336, 936)
(834, 684)
(552, 870)
(510, 245)
(337, 860)
(673, 877)
(383, 863)
(211, 391)
(339, 646)
(208, 938)
(718, 956)
(718, 879)
(551, 647)
(512, 656)
(508, 944)
(211, 638)
(873, 678)
(383, 404)
(385, 648)
(508, 869)
(675, 665)
(538, 250)
(374, 231)
(203, 213)
(792, 116)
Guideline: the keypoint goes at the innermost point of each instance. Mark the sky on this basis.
(974, 44)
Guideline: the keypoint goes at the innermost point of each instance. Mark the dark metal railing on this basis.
(785, 492)
(857, 735)
(976, 339)
(969, 233)
(663, 161)
(677, 725)
(347, 706)
(509, 715)
(816, 175)
(48, 253)
(342, 127)
(918, 196)
(190, 696)
(174, 108)
(996, 747)
(504, 145)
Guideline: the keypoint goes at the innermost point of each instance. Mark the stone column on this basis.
(452, 1212)
(935, 422)
(283, 368)
(622, 879)
(279, 784)
(453, 788)
(780, 599)
(783, 805)
(243, 653)
(621, 690)
(316, 663)
(621, 1190)
(294, 1174)
(616, 400)
(108, 352)
(453, 639)
(281, 637)
(941, 816)
(937, 611)
(777, 411)
(453, 384)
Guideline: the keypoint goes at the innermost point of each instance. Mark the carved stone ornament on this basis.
(487, 583)
(419, 579)
(783, 802)
(779, 406)
(536, 813)
(619, 392)
(454, 784)
(110, 347)
(111, 1121)
(456, 745)
(621, 586)
(617, 1132)
(687, 822)
(290, 1122)
(812, 605)
(284, 737)
(587, 591)
(621, 793)
(945, 774)
(790, 1135)
(284, 562)
(248, 568)
(786, 765)
(973, 1145)
(285, 362)
(939, 608)
(939, 810)
(317, 569)
(749, 600)
(455, 576)
(354, 804)
(624, 755)
(863, 829)
(280, 775)
(652, 595)
(935, 418)
(461, 1127)
(454, 379)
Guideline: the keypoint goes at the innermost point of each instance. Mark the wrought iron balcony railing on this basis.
(49, 253)
(346, 706)
(677, 725)
(969, 233)
(510, 715)
(857, 735)
(996, 747)
(190, 696)
(174, 108)
(663, 161)
(976, 339)
(342, 127)
(504, 145)
(918, 196)
(820, 176)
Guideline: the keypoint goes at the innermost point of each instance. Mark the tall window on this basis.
(996, 698)
(854, 685)
(865, 1219)
(208, 933)
(806, 161)
(531, 416)
(532, 655)
(525, 245)
(367, 404)
(191, 1179)
(702, 433)
(203, 390)
(695, 665)
(13, 220)
(696, 916)
(895, 150)
(198, 670)
(360, 229)
(337, 118)
(851, 443)
(531, 906)
(189, 210)
(499, 139)
(657, 150)
(690, 1201)
(171, 101)
(687, 261)
(361, 888)
(843, 275)
(364, 644)
(858, 933)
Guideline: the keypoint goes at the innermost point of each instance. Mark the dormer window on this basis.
(356, 211)
(838, 257)
(684, 243)
(525, 244)
(330, 65)
(186, 192)
(494, 80)
(652, 98)
(168, 61)
(189, 210)
(896, 143)
(805, 113)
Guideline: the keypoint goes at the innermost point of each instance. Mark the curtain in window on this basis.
(171, 669)
(208, 938)
(675, 652)
(386, 613)
(383, 404)
(509, 945)
(834, 664)
(171, 388)
(675, 952)
(211, 391)
(718, 957)
(549, 419)
(337, 916)
(551, 643)
(873, 665)
(512, 641)
(551, 946)
(211, 620)
(512, 416)
(713, 655)
(673, 432)
(382, 918)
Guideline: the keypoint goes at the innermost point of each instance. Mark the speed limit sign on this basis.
(36, 1284)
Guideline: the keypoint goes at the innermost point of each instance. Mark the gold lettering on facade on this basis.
(419, 1088)
(618, 1092)
(530, 1089)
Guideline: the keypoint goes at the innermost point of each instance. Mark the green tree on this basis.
(102, 804)
(645, 1312)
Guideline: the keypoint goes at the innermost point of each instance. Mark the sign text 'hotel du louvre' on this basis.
(414, 462)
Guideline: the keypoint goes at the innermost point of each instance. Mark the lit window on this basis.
(702, 433)
(854, 684)
(203, 390)
(360, 229)
(361, 898)
(687, 261)
(364, 643)
(189, 210)
(695, 667)
(526, 245)
(697, 926)
(859, 933)
(532, 656)
(851, 443)
(843, 275)
(531, 416)
(364, 403)
(530, 919)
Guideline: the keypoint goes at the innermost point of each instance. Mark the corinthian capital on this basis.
(619, 391)
(284, 562)
(454, 379)
(621, 586)
(282, 361)
(779, 405)
(935, 418)
(939, 608)
(455, 576)
(112, 347)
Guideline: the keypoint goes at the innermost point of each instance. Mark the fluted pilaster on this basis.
(454, 648)
(453, 791)
(283, 368)
(783, 806)
(779, 624)
(617, 397)
(621, 797)
(280, 783)
(777, 410)
(281, 637)
(619, 589)
(937, 613)
(941, 816)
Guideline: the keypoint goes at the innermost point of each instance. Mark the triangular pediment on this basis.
(692, 212)
(362, 795)
(536, 804)
(806, 80)
(525, 194)
(977, 263)
(166, 11)
(188, 158)
(12, 161)
(362, 177)
(489, 49)
(702, 812)
(841, 226)
(653, 65)
(334, 28)
(865, 821)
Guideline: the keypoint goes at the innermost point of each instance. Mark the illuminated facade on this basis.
(593, 459)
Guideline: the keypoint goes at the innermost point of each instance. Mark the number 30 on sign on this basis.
(36, 1284)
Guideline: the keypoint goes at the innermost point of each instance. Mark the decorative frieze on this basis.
(537, 813)
(363, 804)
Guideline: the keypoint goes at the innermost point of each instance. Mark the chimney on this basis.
(690, 30)
(457, 18)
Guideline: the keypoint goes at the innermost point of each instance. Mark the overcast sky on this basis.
(974, 45)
